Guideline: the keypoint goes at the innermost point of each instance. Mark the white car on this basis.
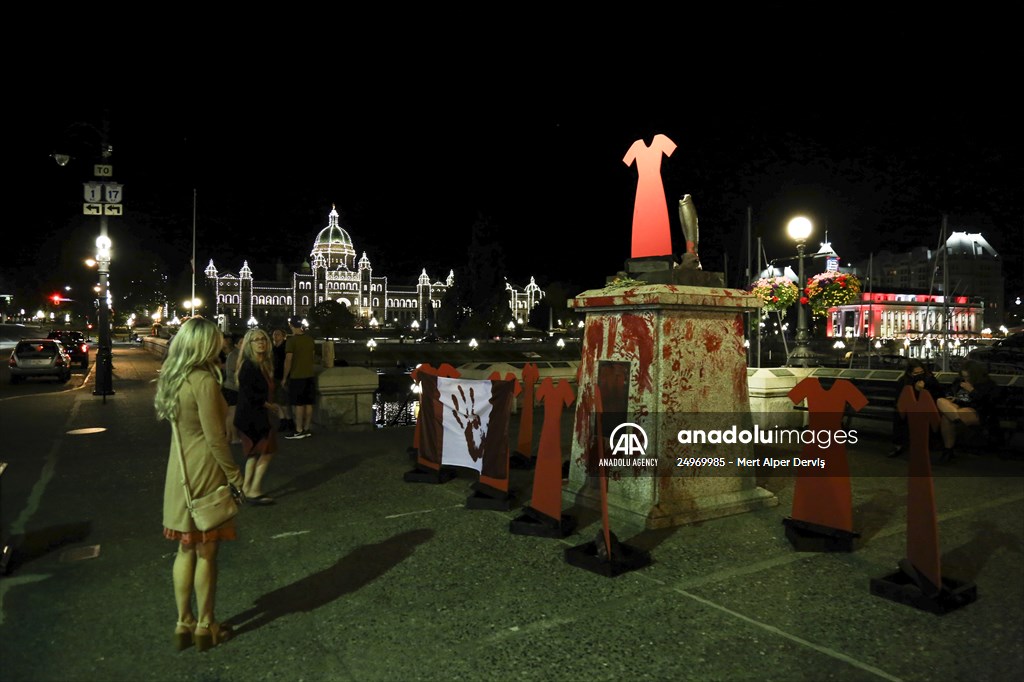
(39, 358)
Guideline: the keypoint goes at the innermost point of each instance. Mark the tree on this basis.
(331, 318)
(454, 310)
(554, 307)
(477, 303)
(483, 287)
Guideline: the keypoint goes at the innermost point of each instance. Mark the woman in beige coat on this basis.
(189, 396)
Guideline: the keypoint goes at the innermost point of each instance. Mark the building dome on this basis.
(970, 245)
(333, 243)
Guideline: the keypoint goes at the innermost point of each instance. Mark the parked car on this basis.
(39, 358)
(74, 343)
(1005, 356)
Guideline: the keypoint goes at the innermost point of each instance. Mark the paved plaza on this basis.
(356, 575)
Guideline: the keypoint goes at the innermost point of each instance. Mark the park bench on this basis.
(1005, 435)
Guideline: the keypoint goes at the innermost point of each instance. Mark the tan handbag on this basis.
(208, 511)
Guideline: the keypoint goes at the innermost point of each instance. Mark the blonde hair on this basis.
(197, 345)
(266, 363)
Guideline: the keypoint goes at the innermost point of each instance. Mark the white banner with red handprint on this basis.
(467, 425)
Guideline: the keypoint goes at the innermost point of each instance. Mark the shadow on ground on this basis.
(358, 568)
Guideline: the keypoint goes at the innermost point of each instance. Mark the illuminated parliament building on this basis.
(333, 273)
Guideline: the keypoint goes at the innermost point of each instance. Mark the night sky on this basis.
(410, 177)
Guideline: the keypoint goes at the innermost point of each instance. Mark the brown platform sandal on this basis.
(183, 633)
(216, 633)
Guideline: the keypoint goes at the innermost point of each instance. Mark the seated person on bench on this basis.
(972, 400)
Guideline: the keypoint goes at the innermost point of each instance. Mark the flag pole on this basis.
(193, 299)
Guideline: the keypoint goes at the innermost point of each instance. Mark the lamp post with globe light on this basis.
(799, 229)
(104, 366)
(102, 198)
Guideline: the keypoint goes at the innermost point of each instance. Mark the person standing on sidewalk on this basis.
(188, 395)
(256, 414)
(300, 351)
(278, 336)
(230, 386)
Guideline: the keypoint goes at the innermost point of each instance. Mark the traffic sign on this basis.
(112, 209)
(113, 193)
(103, 170)
(93, 192)
(92, 209)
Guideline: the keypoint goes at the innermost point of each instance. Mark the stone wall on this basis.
(345, 398)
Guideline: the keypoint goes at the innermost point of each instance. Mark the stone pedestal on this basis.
(327, 353)
(665, 356)
(345, 398)
(769, 389)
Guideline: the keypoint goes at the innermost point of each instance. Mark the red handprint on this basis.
(472, 425)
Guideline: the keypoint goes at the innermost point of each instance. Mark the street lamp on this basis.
(191, 305)
(104, 367)
(103, 198)
(799, 229)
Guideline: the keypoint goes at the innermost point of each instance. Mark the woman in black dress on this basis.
(256, 414)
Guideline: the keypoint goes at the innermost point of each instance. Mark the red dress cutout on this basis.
(500, 482)
(823, 497)
(445, 370)
(922, 524)
(547, 476)
(651, 235)
(530, 376)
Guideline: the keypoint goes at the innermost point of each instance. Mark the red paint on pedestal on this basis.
(712, 342)
(636, 333)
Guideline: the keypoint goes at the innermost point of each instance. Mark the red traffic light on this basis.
(56, 299)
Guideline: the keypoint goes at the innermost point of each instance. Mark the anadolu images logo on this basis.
(631, 443)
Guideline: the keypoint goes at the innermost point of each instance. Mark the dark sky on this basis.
(411, 175)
